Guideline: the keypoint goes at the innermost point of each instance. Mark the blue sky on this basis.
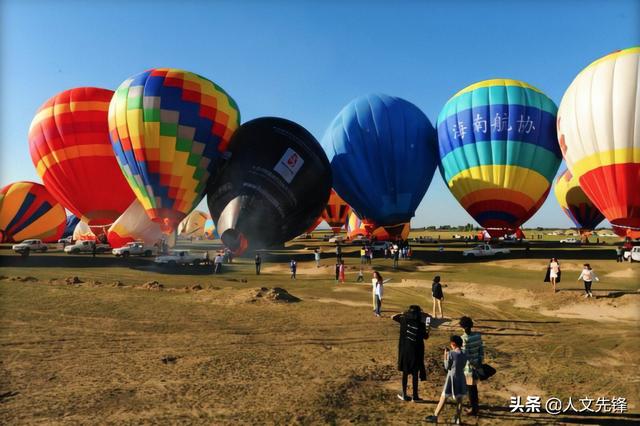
(303, 60)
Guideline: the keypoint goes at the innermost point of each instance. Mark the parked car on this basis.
(135, 249)
(86, 247)
(381, 246)
(570, 241)
(632, 255)
(336, 239)
(178, 257)
(360, 240)
(65, 241)
(483, 250)
(28, 246)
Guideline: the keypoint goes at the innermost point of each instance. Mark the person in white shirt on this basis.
(377, 284)
(554, 272)
(587, 275)
(217, 262)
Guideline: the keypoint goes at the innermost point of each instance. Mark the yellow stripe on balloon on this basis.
(12, 201)
(496, 82)
(71, 153)
(613, 56)
(41, 228)
(605, 158)
(513, 178)
(50, 111)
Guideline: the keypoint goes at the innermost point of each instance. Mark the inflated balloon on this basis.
(134, 225)
(574, 202)
(210, 231)
(383, 155)
(83, 232)
(27, 210)
(335, 212)
(499, 152)
(626, 232)
(599, 129)
(356, 227)
(274, 186)
(193, 226)
(169, 130)
(70, 147)
(72, 222)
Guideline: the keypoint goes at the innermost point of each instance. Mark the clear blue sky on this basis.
(303, 60)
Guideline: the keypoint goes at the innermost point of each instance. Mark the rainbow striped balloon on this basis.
(169, 128)
(498, 151)
(575, 203)
(27, 210)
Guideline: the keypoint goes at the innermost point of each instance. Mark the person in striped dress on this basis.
(473, 348)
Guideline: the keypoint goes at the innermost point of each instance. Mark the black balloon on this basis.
(274, 186)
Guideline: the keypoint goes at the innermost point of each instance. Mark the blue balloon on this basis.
(383, 153)
(72, 221)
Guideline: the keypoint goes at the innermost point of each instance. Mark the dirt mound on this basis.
(73, 280)
(117, 283)
(152, 285)
(275, 294)
(21, 279)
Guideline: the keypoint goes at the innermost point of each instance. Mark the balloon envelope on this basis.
(134, 225)
(72, 222)
(499, 152)
(169, 130)
(70, 147)
(210, 231)
(274, 186)
(599, 128)
(28, 210)
(83, 232)
(383, 155)
(575, 203)
(193, 226)
(335, 212)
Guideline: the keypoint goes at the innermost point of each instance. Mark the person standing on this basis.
(337, 271)
(587, 275)
(316, 256)
(378, 291)
(553, 273)
(258, 263)
(93, 249)
(360, 277)
(338, 252)
(363, 255)
(217, 263)
(619, 254)
(473, 348)
(454, 386)
(341, 272)
(396, 256)
(413, 333)
(438, 296)
(293, 266)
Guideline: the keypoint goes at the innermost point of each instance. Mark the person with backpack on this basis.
(473, 348)
(454, 386)
(587, 275)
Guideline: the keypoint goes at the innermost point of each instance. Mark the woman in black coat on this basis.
(413, 332)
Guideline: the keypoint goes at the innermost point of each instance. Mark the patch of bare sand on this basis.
(433, 268)
(531, 264)
(625, 308)
(625, 273)
(303, 269)
(340, 301)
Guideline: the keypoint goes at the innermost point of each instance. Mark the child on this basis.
(587, 275)
(455, 384)
(360, 277)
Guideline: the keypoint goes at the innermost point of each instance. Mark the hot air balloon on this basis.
(356, 227)
(72, 222)
(70, 147)
(335, 212)
(626, 233)
(169, 130)
(193, 225)
(28, 211)
(274, 186)
(383, 155)
(210, 231)
(83, 232)
(599, 129)
(134, 225)
(499, 152)
(576, 204)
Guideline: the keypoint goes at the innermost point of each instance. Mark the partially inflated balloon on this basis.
(356, 227)
(383, 155)
(72, 222)
(499, 152)
(27, 210)
(335, 212)
(169, 129)
(83, 232)
(274, 186)
(599, 128)
(193, 226)
(210, 231)
(134, 225)
(574, 202)
(70, 147)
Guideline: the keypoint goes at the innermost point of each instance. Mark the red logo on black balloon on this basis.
(291, 162)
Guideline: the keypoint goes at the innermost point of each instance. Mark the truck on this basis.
(632, 255)
(179, 257)
(86, 247)
(135, 248)
(484, 250)
(28, 246)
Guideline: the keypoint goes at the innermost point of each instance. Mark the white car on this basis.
(632, 255)
(178, 257)
(381, 246)
(86, 247)
(336, 239)
(483, 250)
(134, 249)
(570, 241)
(29, 245)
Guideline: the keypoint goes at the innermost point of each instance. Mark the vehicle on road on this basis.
(632, 255)
(484, 250)
(381, 246)
(570, 241)
(179, 257)
(28, 246)
(135, 249)
(86, 247)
